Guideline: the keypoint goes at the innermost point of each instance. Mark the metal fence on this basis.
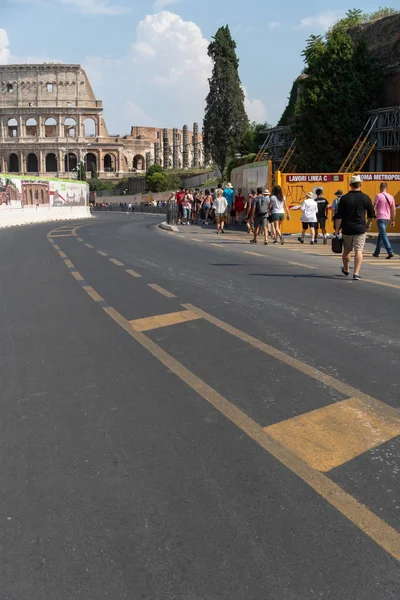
(141, 208)
(172, 213)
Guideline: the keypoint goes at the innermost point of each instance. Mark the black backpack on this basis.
(262, 206)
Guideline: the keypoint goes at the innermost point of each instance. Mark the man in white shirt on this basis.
(220, 205)
(309, 210)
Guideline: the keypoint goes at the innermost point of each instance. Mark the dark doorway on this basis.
(32, 164)
(13, 164)
(51, 163)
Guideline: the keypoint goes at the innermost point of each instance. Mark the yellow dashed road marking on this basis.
(116, 262)
(161, 290)
(163, 320)
(62, 254)
(133, 273)
(253, 253)
(77, 275)
(56, 247)
(69, 264)
(332, 435)
(93, 294)
(296, 264)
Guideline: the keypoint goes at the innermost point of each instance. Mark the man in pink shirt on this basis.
(385, 209)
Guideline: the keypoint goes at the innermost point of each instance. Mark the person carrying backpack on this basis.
(261, 212)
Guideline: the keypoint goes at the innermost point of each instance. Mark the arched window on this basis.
(13, 130)
(31, 127)
(109, 162)
(70, 127)
(13, 163)
(89, 126)
(138, 162)
(91, 162)
(51, 163)
(70, 162)
(32, 163)
(50, 127)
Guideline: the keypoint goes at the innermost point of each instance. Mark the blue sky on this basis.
(148, 60)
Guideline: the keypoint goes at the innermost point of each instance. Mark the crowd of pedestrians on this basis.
(263, 214)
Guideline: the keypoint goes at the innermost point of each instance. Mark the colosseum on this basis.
(51, 122)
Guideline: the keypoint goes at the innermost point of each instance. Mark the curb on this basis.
(167, 227)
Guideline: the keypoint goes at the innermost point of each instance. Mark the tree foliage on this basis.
(343, 82)
(81, 171)
(225, 121)
(253, 138)
(158, 180)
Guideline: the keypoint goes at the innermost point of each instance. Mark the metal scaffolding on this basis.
(386, 132)
(276, 145)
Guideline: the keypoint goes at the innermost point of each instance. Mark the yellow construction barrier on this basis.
(296, 185)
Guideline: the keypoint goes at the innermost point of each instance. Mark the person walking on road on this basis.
(309, 210)
(277, 209)
(385, 209)
(322, 215)
(239, 207)
(207, 203)
(229, 194)
(220, 206)
(351, 218)
(261, 212)
(250, 211)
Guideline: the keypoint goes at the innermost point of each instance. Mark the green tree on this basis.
(253, 138)
(343, 82)
(225, 121)
(160, 181)
(94, 171)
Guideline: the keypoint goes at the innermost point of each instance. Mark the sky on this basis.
(147, 60)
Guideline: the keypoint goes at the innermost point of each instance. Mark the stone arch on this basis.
(31, 127)
(89, 127)
(72, 159)
(51, 163)
(138, 162)
(32, 165)
(13, 129)
(109, 162)
(70, 127)
(50, 127)
(13, 163)
(91, 161)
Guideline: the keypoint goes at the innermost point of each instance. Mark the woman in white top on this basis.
(220, 205)
(309, 210)
(278, 208)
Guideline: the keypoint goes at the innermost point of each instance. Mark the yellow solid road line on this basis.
(161, 290)
(296, 264)
(328, 380)
(382, 533)
(56, 247)
(69, 263)
(77, 275)
(93, 294)
(116, 262)
(175, 318)
(253, 253)
(216, 245)
(132, 273)
(101, 253)
(376, 282)
(332, 435)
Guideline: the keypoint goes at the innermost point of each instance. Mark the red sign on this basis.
(313, 178)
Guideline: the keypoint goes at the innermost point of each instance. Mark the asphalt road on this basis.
(210, 453)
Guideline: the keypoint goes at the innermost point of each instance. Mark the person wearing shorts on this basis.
(353, 209)
(220, 205)
(261, 212)
(322, 214)
(309, 211)
(277, 209)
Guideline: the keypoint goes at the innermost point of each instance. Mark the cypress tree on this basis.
(225, 121)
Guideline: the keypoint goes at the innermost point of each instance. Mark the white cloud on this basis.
(85, 7)
(322, 20)
(4, 48)
(255, 109)
(273, 25)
